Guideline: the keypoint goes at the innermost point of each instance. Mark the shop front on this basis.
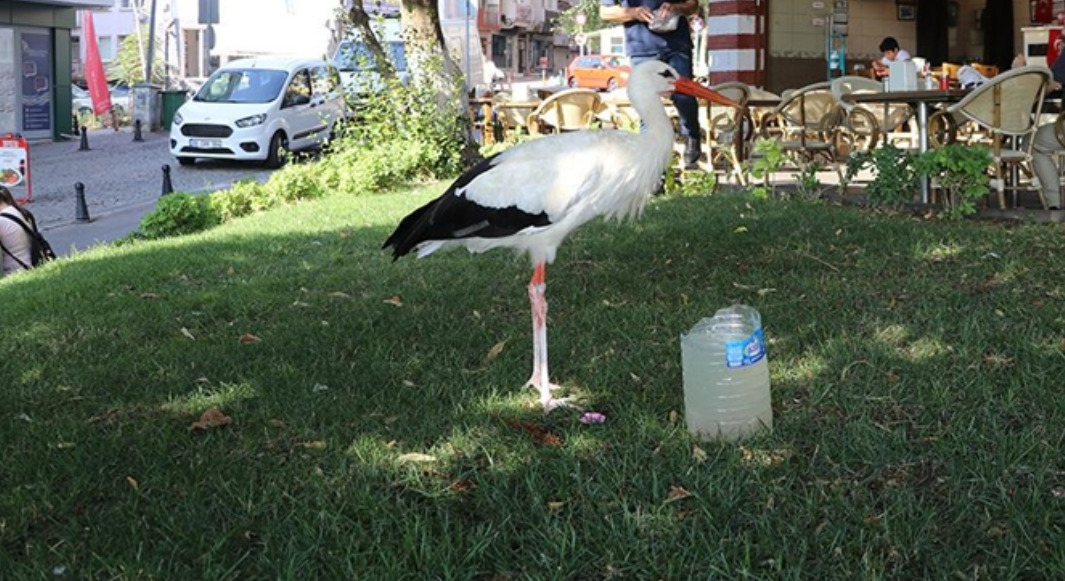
(35, 66)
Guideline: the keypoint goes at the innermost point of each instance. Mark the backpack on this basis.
(40, 249)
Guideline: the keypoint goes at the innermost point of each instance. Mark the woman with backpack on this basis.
(16, 243)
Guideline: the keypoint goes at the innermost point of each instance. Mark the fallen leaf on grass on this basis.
(186, 333)
(415, 457)
(133, 483)
(495, 351)
(674, 416)
(280, 424)
(462, 485)
(740, 230)
(248, 338)
(340, 295)
(538, 433)
(212, 418)
(394, 300)
(315, 445)
(677, 493)
(555, 505)
(699, 454)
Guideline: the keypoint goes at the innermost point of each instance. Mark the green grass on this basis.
(916, 366)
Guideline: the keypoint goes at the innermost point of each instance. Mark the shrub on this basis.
(243, 198)
(178, 213)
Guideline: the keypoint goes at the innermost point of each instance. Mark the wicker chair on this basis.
(869, 122)
(809, 124)
(1006, 109)
(722, 124)
(568, 110)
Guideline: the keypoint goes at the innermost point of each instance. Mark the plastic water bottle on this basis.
(726, 375)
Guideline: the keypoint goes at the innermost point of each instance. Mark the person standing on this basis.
(889, 48)
(15, 243)
(1045, 144)
(658, 29)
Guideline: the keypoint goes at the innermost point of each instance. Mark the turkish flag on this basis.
(94, 67)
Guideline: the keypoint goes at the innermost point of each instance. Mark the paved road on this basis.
(123, 180)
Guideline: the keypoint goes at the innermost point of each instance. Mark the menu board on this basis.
(36, 73)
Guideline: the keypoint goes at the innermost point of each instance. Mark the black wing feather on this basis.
(451, 217)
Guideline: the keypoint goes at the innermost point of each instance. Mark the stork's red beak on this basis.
(690, 87)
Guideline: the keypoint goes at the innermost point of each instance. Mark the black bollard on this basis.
(84, 139)
(137, 130)
(168, 188)
(81, 211)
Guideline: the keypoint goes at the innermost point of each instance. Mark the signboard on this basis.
(15, 166)
(581, 39)
(36, 76)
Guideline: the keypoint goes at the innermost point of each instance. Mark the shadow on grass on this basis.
(375, 429)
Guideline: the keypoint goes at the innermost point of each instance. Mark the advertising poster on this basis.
(36, 76)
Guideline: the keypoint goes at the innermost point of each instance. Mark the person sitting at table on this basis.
(892, 53)
(1045, 144)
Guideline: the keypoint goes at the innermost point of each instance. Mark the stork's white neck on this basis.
(657, 128)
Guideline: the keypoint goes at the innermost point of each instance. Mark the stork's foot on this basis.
(551, 404)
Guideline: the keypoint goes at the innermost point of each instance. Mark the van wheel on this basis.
(612, 84)
(573, 83)
(186, 161)
(278, 152)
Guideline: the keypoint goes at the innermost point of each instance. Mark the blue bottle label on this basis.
(744, 352)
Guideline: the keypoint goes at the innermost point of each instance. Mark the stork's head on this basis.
(655, 76)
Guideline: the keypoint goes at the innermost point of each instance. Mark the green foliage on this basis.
(243, 198)
(690, 183)
(808, 183)
(178, 213)
(128, 66)
(961, 171)
(567, 19)
(768, 158)
(895, 177)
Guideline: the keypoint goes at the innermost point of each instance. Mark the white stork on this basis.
(530, 197)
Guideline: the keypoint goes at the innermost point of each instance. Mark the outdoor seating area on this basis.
(820, 126)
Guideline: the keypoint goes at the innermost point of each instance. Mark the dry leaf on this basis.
(186, 333)
(247, 338)
(133, 483)
(495, 351)
(462, 485)
(340, 295)
(391, 444)
(677, 493)
(394, 300)
(699, 454)
(415, 457)
(555, 505)
(231, 272)
(538, 433)
(202, 380)
(280, 424)
(300, 304)
(740, 230)
(674, 416)
(315, 445)
(212, 418)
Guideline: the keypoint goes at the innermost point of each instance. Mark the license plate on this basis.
(206, 143)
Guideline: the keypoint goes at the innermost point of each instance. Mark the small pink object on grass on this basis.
(592, 418)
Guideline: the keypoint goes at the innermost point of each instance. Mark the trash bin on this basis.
(171, 100)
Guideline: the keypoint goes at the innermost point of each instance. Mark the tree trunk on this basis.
(359, 21)
(425, 47)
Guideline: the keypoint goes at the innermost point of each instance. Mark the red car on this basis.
(598, 71)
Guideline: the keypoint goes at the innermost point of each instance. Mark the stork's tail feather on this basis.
(407, 234)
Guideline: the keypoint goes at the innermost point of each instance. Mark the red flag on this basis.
(94, 67)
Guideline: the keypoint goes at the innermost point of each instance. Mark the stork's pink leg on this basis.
(539, 378)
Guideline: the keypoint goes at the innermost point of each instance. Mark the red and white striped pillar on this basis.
(737, 42)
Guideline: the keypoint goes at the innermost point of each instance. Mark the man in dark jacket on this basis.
(657, 29)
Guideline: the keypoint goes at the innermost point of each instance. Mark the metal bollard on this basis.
(84, 139)
(137, 130)
(168, 188)
(81, 211)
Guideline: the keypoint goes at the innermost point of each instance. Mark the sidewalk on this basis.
(123, 181)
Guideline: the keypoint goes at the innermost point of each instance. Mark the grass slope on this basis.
(379, 429)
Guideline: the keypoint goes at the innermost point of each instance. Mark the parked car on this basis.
(81, 100)
(259, 109)
(598, 71)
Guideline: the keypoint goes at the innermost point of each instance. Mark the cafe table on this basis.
(919, 100)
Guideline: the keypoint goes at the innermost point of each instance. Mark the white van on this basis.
(259, 109)
(355, 61)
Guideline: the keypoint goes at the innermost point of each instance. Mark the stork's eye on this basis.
(666, 74)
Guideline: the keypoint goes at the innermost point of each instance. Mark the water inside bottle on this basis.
(726, 376)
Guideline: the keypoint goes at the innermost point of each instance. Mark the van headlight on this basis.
(178, 119)
(251, 121)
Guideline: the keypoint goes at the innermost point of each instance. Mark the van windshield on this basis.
(356, 56)
(242, 86)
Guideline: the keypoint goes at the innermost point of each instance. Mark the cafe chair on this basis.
(568, 110)
(868, 123)
(1006, 110)
(512, 116)
(728, 130)
(808, 124)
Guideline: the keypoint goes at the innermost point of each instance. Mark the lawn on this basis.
(377, 428)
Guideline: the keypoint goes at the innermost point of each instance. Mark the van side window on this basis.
(298, 91)
(321, 81)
